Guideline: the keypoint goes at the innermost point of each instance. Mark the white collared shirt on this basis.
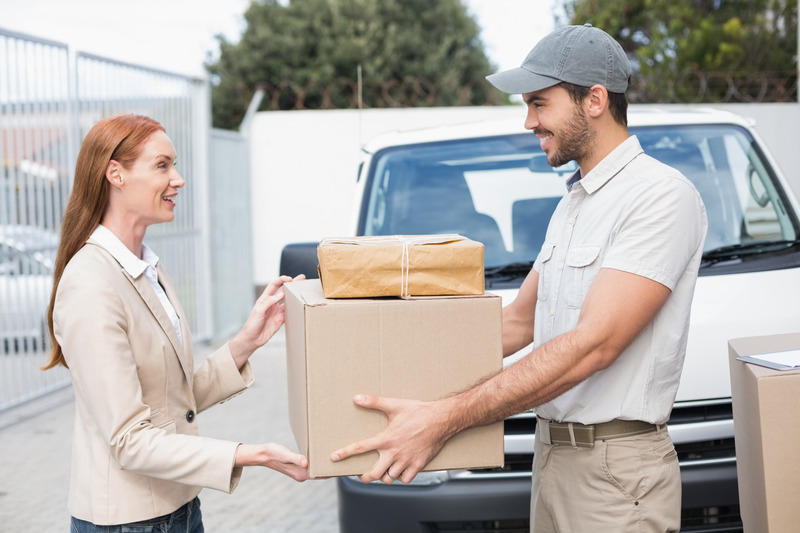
(634, 214)
(136, 267)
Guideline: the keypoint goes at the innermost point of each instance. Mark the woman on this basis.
(116, 324)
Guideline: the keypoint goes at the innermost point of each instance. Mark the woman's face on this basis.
(151, 183)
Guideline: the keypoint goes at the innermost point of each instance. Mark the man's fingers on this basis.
(392, 464)
(357, 448)
(373, 402)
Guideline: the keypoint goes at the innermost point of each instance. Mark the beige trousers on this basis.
(631, 484)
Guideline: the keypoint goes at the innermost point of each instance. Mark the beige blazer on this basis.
(136, 453)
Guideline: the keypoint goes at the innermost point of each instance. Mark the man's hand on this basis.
(416, 433)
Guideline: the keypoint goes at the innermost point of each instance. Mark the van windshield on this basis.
(500, 191)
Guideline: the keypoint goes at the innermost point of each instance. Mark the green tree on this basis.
(307, 53)
(702, 50)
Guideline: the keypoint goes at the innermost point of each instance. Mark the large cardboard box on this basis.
(766, 414)
(421, 348)
(400, 265)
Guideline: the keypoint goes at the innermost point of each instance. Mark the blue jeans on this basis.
(186, 519)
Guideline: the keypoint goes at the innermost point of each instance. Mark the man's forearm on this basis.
(539, 377)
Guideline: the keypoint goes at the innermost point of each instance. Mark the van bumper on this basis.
(710, 502)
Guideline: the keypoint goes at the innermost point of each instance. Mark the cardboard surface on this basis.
(400, 265)
(422, 348)
(766, 413)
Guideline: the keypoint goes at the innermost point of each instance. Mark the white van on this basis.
(490, 181)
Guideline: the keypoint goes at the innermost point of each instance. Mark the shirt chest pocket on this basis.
(545, 271)
(581, 267)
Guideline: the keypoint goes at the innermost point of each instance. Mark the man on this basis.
(606, 306)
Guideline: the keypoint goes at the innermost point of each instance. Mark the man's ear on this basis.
(596, 101)
(114, 173)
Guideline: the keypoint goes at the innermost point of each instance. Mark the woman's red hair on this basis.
(119, 138)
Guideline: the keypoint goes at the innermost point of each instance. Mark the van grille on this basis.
(715, 520)
(486, 526)
(711, 520)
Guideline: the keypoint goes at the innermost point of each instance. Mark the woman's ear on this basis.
(114, 173)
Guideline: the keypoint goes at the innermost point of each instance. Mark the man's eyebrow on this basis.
(530, 98)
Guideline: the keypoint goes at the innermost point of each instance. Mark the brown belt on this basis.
(584, 435)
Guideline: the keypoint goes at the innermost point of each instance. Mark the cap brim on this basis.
(519, 81)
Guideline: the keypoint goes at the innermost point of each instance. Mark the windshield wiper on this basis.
(510, 271)
(737, 251)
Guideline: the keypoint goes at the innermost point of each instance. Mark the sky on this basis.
(178, 35)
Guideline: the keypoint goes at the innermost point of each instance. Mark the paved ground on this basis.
(36, 441)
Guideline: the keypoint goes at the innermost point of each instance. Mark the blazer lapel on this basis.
(184, 352)
(149, 296)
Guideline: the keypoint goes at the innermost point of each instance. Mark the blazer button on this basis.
(190, 416)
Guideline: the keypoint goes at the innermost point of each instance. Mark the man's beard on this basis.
(575, 140)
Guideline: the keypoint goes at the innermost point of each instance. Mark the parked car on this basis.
(27, 254)
(491, 182)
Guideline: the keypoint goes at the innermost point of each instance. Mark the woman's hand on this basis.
(274, 456)
(265, 319)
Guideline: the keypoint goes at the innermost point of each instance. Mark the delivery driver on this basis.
(606, 306)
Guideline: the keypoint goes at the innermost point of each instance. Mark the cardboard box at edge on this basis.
(766, 412)
(422, 348)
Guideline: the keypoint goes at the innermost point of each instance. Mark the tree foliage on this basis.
(691, 50)
(307, 53)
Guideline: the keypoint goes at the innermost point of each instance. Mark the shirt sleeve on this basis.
(660, 233)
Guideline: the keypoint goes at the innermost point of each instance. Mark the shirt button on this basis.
(190, 416)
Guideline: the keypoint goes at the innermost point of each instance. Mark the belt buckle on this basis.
(572, 434)
(584, 436)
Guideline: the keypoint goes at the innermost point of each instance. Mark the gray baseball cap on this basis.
(581, 55)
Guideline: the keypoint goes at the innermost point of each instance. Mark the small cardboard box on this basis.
(766, 414)
(421, 348)
(400, 265)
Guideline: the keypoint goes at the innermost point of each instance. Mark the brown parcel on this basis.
(766, 421)
(421, 348)
(410, 265)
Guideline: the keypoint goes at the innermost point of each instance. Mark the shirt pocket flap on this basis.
(546, 253)
(582, 256)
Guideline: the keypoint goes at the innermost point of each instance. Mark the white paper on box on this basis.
(785, 360)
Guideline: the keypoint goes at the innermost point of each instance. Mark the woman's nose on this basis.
(177, 180)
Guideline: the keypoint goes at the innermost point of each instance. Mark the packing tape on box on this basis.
(406, 241)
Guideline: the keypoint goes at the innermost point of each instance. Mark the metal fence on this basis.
(49, 99)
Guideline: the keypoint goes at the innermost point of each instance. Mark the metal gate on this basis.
(49, 99)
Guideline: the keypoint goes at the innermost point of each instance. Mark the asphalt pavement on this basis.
(36, 443)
